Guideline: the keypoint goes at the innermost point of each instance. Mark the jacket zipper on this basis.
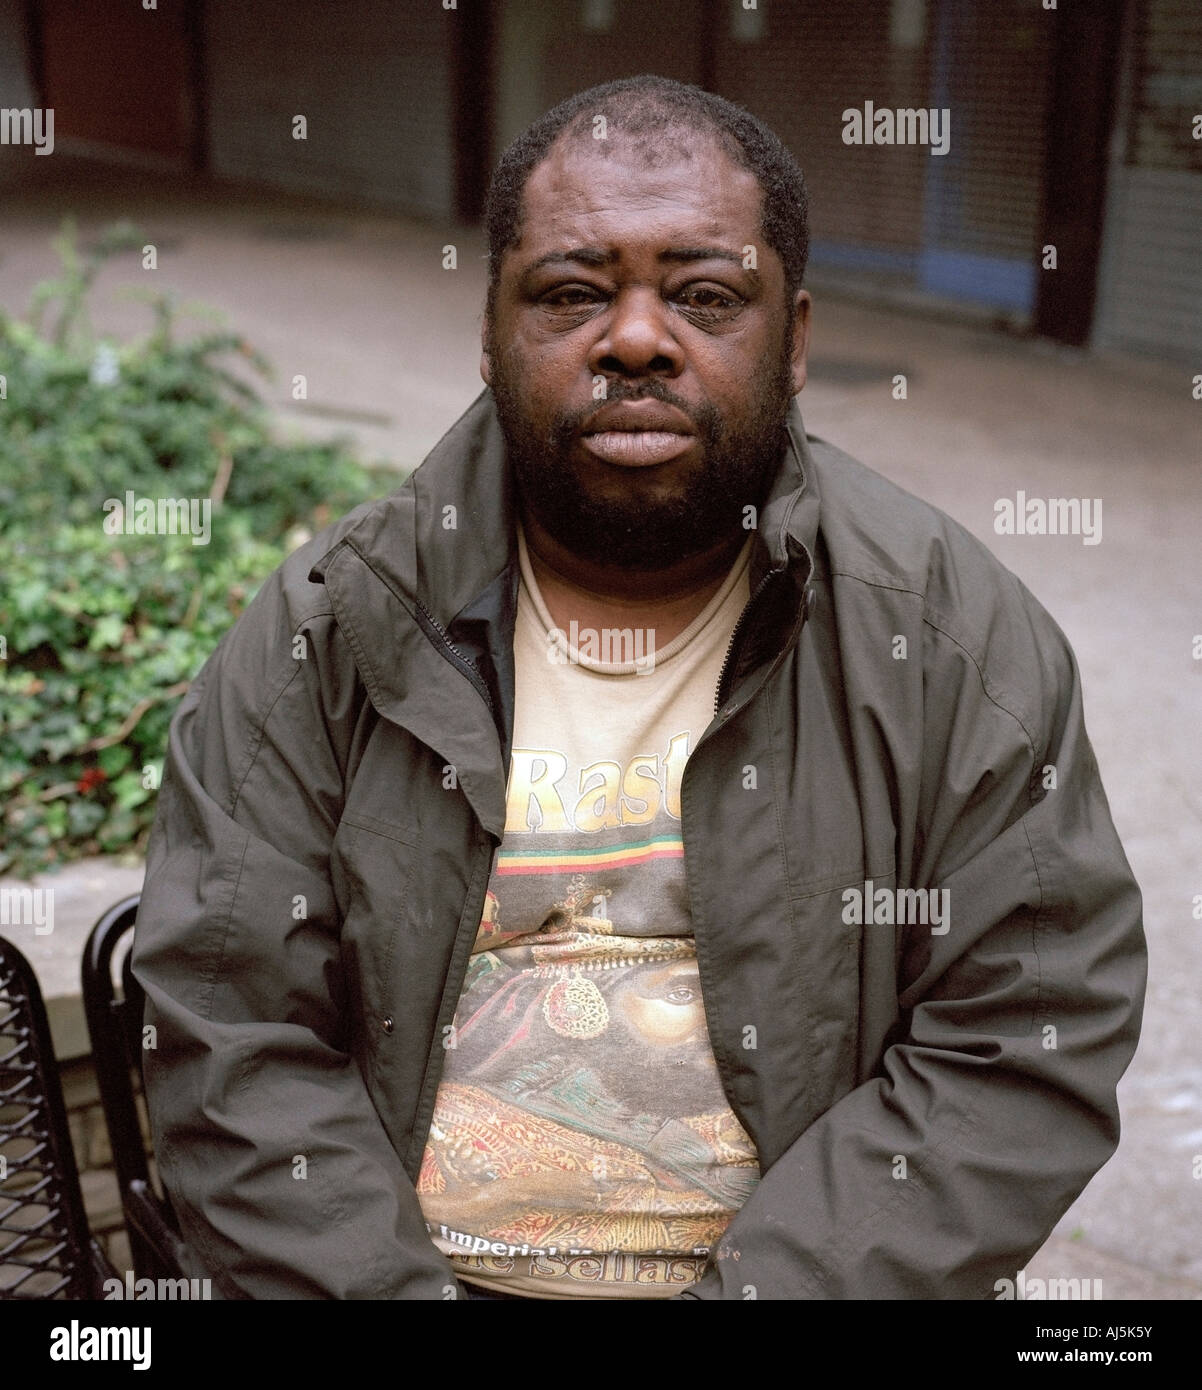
(458, 659)
(736, 634)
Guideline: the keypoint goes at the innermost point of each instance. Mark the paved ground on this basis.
(360, 304)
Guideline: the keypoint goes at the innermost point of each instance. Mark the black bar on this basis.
(472, 103)
(35, 49)
(198, 84)
(1085, 67)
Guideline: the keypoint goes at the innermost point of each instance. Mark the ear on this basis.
(486, 351)
(801, 338)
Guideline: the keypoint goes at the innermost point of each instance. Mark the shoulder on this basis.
(294, 597)
(884, 548)
(880, 534)
(286, 645)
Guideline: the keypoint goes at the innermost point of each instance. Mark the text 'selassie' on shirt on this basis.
(581, 1143)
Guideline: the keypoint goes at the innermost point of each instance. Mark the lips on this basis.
(638, 434)
(637, 448)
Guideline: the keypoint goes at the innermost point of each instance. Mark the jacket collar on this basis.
(439, 556)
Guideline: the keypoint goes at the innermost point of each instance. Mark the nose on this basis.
(637, 339)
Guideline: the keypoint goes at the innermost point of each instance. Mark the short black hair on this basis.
(657, 113)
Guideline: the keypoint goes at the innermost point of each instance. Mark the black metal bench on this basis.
(46, 1248)
(113, 1004)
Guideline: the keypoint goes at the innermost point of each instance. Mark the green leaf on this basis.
(107, 632)
(114, 759)
(129, 791)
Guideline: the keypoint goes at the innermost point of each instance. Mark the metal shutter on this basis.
(964, 224)
(1151, 282)
(374, 82)
(984, 199)
(810, 63)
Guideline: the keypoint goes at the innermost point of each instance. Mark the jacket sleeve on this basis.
(995, 1103)
(278, 1167)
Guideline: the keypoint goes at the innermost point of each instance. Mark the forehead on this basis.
(627, 199)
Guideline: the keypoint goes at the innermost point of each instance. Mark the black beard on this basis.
(637, 532)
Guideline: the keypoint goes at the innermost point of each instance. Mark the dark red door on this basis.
(117, 75)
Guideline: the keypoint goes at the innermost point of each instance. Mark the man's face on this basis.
(635, 275)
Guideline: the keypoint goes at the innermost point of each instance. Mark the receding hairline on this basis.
(687, 143)
(698, 141)
(664, 121)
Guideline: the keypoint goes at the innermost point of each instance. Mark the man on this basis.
(649, 854)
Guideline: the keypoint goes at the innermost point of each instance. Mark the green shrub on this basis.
(101, 632)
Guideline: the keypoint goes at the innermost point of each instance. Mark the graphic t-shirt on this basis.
(582, 1144)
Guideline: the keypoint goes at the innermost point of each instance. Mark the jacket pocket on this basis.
(827, 950)
(373, 866)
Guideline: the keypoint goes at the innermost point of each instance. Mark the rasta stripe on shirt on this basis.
(552, 861)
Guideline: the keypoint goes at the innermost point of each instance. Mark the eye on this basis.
(709, 301)
(680, 995)
(569, 297)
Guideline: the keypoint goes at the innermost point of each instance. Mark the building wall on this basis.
(374, 82)
(546, 52)
(14, 80)
(798, 70)
(597, 41)
(960, 224)
(1150, 297)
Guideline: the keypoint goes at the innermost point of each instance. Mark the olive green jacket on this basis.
(926, 1101)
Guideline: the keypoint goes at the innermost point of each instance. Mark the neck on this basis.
(664, 601)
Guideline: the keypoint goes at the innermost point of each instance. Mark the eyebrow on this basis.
(681, 255)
